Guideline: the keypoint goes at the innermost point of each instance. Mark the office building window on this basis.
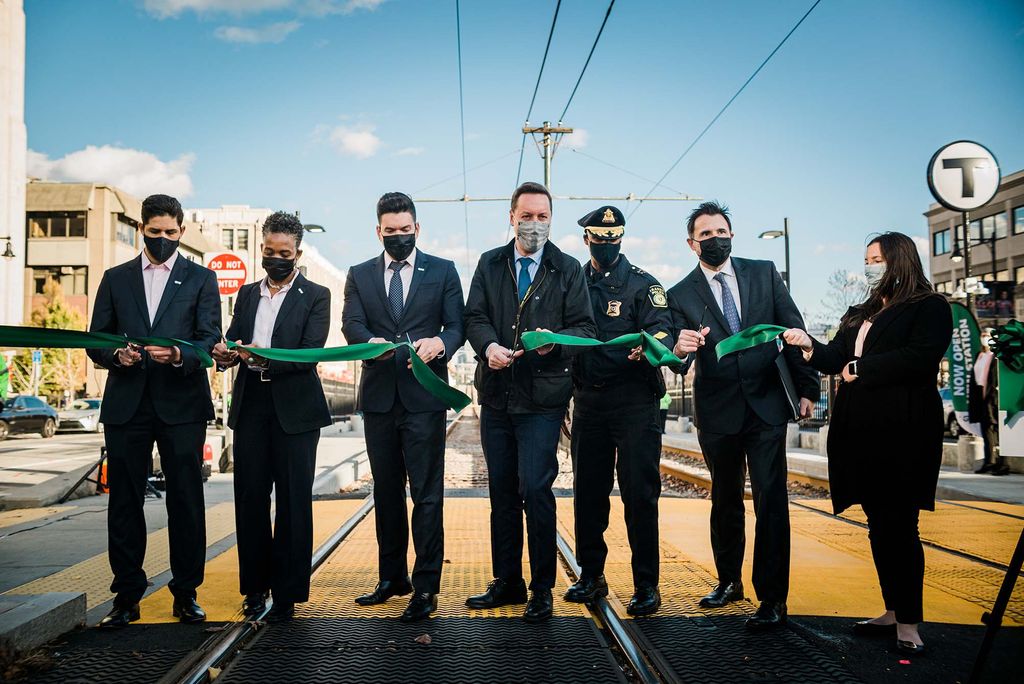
(975, 230)
(125, 232)
(241, 239)
(945, 287)
(227, 236)
(940, 242)
(1018, 220)
(1003, 275)
(73, 279)
(1018, 274)
(1000, 221)
(62, 224)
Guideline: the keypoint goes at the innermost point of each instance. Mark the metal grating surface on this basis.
(110, 667)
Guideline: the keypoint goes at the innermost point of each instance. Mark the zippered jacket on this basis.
(557, 301)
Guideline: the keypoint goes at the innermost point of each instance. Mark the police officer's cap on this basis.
(605, 222)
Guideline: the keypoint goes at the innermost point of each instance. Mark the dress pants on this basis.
(762, 448)
(275, 559)
(521, 454)
(899, 558)
(129, 462)
(403, 444)
(598, 434)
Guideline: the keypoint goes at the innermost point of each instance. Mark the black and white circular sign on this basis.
(963, 176)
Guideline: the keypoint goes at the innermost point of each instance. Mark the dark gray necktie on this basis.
(395, 293)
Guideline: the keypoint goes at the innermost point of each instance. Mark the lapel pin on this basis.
(300, 291)
(177, 282)
(420, 268)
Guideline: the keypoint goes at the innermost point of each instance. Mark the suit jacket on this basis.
(885, 432)
(433, 308)
(303, 322)
(723, 389)
(189, 310)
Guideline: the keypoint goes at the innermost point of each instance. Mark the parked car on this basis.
(24, 413)
(952, 426)
(84, 414)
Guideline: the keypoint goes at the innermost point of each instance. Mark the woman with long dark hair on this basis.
(885, 433)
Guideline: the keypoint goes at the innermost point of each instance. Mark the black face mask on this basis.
(605, 253)
(160, 248)
(400, 246)
(278, 268)
(715, 250)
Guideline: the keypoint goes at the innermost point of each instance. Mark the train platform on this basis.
(968, 545)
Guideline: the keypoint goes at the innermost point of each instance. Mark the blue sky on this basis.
(323, 105)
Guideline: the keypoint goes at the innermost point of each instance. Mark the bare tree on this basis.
(844, 289)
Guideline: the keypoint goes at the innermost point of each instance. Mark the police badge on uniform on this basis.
(656, 294)
(613, 308)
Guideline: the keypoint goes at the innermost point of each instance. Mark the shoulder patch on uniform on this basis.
(656, 293)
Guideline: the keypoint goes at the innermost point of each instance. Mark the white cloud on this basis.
(164, 9)
(410, 151)
(832, 248)
(272, 33)
(577, 139)
(922, 251)
(136, 172)
(354, 141)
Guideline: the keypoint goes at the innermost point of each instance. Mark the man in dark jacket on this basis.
(742, 406)
(405, 294)
(528, 284)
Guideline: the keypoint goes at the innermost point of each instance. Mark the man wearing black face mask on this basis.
(615, 424)
(156, 394)
(404, 295)
(741, 406)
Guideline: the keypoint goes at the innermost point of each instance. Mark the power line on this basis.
(722, 111)
(626, 171)
(536, 86)
(462, 128)
(587, 63)
(467, 171)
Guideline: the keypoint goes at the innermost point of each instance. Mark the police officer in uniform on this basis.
(616, 413)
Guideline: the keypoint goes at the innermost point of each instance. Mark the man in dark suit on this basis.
(277, 410)
(528, 284)
(741, 408)
(156, 394)
(405, 295)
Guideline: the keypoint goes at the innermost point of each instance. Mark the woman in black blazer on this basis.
(277, 411)
(885, 433)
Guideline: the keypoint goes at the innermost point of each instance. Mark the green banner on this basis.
(964, 348)
(447, 394)
(5, 378)
(57, 338)
(656, 353)
(1011, 391)
(748, 338)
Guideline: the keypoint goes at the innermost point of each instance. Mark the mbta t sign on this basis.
(963, 176)
(230, 270)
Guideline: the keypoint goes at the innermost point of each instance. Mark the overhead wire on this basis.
(587, 63)
(722, 110)
(462, 130)
(547, 47)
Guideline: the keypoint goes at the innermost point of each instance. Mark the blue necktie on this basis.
(395, 302)
(732, 316)
(524, 276)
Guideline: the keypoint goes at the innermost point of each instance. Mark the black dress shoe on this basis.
(645, 601)
(869, 628)
(120, 616)
(281, 611)
(909, 647)
(187, 610)
(723, 594)
(540, 606)
(420, 606)
(770, 614)
(385, 589)
(254, 604)
(587, 589)
(499, 593)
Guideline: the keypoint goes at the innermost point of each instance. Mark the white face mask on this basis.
(532, 235)
(874, 273)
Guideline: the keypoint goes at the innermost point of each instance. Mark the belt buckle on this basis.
(264, 377)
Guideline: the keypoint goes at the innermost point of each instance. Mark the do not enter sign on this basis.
(230, 270)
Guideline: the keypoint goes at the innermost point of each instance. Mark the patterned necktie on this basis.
(524, 276)
(395, 290)
(732, 316)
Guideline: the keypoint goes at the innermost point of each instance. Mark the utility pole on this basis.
(548, 144)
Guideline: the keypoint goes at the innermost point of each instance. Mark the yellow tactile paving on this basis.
(93, 575)
(980, 533)
(467, 569)
(831, 574)
(996, 506)
(219, 595)
(23, 515)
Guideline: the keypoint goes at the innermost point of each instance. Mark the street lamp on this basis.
(784, 233)
(314, 228)
(8, 250)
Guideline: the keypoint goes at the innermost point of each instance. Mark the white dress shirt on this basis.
(154, 279)
(266, 313)
(405, 273)
(730, 280)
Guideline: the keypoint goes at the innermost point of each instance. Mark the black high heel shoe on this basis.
(868, 628)
(909, 647)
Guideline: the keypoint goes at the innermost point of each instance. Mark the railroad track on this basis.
(701, 478)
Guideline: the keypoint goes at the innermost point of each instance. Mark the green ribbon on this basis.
(447, 394)
(748, 338)
(58, 338)
(656, 353)
(1011, 391)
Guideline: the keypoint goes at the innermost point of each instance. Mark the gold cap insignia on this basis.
(613, 308)
(608, 217)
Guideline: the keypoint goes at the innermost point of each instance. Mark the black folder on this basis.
(788, 385)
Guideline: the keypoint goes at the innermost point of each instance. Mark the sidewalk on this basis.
(953, 485)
